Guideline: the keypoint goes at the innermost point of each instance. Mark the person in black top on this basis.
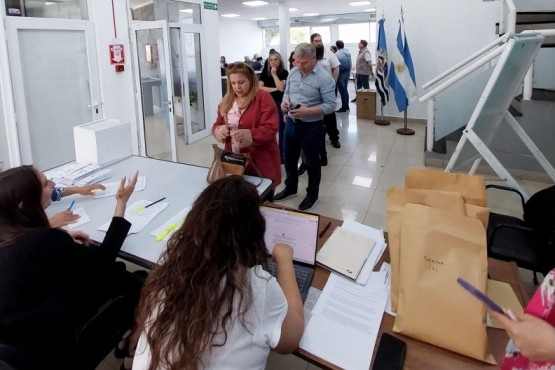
(272, 79)
(53, 281)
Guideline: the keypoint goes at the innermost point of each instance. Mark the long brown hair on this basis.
(230, 96)
(20, 203)
(204, 269)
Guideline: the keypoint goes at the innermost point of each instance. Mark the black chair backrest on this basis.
(539, 214)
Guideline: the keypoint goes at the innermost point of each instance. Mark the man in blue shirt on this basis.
(309, 95)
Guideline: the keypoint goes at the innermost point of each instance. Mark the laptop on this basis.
(300, 231)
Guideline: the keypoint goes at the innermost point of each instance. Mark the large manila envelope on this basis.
(396, 200)
(472, 188)
(481, 213)
(437, 247)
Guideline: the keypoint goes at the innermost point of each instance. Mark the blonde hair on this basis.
(230, 96)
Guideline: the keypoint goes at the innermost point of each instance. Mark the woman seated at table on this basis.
(52, 281)
(211, 304)
(247, 122)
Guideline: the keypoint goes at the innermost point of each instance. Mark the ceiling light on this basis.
(186, 10)
(293, 9)
(230, 15)
(49, 3)
(369, 10)
(359, 3)
(311, 14)
(254, 3)
(259, 19)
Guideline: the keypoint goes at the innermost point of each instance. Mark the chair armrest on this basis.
(507, 226)
(506, 188)
(104, 314)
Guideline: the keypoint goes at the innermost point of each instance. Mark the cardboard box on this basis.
(366, 104)
(102, 141)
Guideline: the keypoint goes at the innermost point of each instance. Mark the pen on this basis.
(71, 206)
(325, 229)
(153, 203)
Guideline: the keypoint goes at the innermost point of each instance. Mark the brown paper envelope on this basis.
(472, 188)
(481, 213)
(503, 294)
(437, 247)
(396, 200)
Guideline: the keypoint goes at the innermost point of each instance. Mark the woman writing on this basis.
(212, 304)
(273, 80)
(247, 122)
(52, 281)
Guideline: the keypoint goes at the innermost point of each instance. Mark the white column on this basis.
(284, 25)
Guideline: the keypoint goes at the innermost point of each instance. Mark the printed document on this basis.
(139, 215)
(112, 188)
(83, 219)
(163, 233)
(346, 320)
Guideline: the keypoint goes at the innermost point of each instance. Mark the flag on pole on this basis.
(382, 66)
(401, 73)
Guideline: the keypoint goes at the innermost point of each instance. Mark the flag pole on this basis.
(382, 121)
(405, 130)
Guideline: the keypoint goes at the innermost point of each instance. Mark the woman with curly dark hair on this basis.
(211, 304)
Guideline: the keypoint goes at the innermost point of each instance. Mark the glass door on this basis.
(154, 94)
(56, 86)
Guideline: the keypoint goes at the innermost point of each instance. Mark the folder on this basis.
(345, 252)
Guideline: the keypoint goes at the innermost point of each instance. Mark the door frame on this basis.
(13, 24)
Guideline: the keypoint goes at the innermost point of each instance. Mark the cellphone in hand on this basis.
(391, 353)
(297, 106)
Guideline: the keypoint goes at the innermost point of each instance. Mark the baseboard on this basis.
(401, 119)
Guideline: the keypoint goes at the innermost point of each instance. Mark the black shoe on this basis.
(282, 161)
(354, 100)
(302, 169)
(323, 160)
(284, 194)
(341, 110)
(307, 203)
(336, 144)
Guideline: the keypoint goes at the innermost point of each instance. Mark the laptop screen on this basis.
(294, 228)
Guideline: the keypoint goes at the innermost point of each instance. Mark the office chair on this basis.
(530, 241)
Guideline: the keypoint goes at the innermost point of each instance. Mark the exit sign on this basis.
(210, 6)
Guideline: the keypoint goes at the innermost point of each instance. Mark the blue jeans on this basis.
(306, 136)
(363, 81)
(342, 82)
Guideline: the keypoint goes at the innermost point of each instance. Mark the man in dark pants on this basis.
(309, 94)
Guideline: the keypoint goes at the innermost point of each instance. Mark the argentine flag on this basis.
(382, 66)
(401, 73)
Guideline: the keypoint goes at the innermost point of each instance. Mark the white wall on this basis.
(534, 5)
(116, 87)
(544, 69)
(440, 33)
(239, 38)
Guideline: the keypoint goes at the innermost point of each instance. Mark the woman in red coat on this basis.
(248, 122)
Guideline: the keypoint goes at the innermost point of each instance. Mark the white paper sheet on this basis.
(377, 251)
(346, 320)
(138, 215)
(112, 188)
(163, 233)
(386, 267)
(83, 219)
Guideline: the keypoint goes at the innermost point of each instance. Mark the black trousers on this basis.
(330, 123)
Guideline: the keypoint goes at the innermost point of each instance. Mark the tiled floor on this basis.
(371, 159)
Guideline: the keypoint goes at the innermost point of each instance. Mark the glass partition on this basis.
(65, 9)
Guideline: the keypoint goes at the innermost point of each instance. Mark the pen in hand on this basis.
(153, 203)
(325, 229)
(71, 206)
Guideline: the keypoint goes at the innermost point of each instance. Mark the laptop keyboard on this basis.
(301, 274)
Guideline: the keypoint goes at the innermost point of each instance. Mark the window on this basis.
(354, 32)
(324, 31)
(271, 37)
(299, 34)
(66, 9)
(183, 12)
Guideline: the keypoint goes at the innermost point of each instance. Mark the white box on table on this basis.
(102, 141)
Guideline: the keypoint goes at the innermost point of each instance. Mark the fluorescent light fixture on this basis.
(293, 9)
(255, 3)
(311, 14)
(186, 10)
(259, 19)
(369, 10)
(359, 3)
(49, 3)
(230, 15)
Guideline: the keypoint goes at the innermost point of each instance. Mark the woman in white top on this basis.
(211, 304)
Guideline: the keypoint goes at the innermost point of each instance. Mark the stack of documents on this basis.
(345, 252)
(345, 322)
(77, 174)
(95, 177)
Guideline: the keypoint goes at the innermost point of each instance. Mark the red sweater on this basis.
(261, 118)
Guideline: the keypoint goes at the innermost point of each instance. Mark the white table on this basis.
(179, 183)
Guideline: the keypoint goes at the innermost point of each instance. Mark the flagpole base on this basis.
(382, 122)
(405, 131)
